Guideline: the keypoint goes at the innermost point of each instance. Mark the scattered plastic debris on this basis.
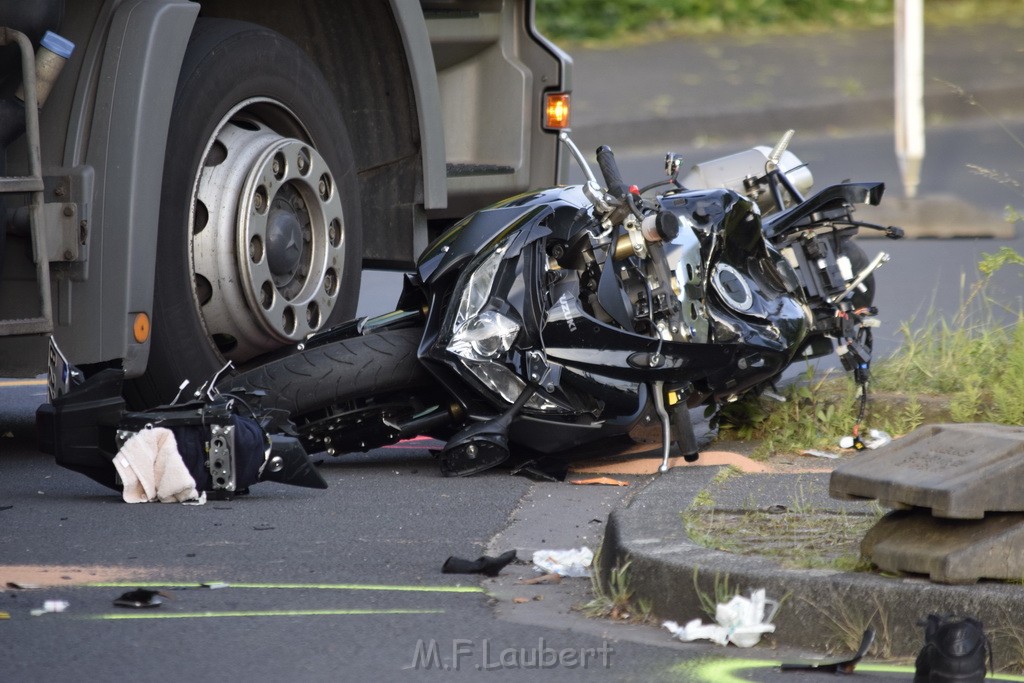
(141, 598)
(605, 481)
(821, 454)
(486, 565)
(51, 607)
(214, 585)
(741, 621)
(575, 563)
(876, 438)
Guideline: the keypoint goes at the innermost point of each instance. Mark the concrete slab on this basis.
(960, 471)
(948, 550)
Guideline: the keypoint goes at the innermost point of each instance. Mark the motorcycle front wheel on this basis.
(344, 396)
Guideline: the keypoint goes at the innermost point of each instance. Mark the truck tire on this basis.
(259, 238)
(338, 386)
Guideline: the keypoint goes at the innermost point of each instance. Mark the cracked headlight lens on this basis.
(509, 386)
(478, 290)
(484, 336)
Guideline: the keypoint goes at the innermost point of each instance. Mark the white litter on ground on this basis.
(741, 621)
(575, 562)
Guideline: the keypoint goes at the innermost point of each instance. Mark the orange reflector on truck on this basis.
(140, 329)
(556, 110)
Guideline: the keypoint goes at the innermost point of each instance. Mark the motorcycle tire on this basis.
(243, 92)
(344, 372)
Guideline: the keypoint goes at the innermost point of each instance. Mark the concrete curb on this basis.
(820, 606)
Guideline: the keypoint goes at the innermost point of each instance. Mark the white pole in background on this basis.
(909, 95)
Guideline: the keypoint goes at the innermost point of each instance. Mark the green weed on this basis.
(816, 412)
(613, 598)
(974, 359)
(969, 368)
(799, 534)
(849, 619)
(726, 473)
(721, 592)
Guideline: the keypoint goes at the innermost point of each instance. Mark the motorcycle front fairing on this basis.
(502, 284)
(459, 270)
(511, 317)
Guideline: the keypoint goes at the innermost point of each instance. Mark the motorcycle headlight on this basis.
(484, 336)
(506, 384)
(478, 289)
(480, 338)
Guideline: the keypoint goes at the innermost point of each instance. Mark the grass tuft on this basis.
(966, 368)
(614, 597)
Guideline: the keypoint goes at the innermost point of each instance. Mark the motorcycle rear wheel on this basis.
(342, 385)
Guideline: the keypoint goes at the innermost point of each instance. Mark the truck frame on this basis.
(206, 179)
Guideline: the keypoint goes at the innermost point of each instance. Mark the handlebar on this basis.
(610, 170)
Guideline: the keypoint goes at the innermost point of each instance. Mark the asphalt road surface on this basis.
(345, 584)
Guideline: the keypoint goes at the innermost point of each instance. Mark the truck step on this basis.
(31, 183)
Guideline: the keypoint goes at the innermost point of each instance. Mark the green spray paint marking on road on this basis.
(737, 670)
(259, 613)
(291, 586)
(721, 670)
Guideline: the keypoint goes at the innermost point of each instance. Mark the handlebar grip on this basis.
(610, 170)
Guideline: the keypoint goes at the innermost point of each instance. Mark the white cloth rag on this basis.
(151, 469)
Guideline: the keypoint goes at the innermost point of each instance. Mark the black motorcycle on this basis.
(572, 314)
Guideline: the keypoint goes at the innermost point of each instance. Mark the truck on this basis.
(184, 184)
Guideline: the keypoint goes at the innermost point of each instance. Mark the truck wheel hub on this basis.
(267, 239)
(284, 242)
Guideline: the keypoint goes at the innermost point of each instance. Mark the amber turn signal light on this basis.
(556, 110)
(140, 328)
